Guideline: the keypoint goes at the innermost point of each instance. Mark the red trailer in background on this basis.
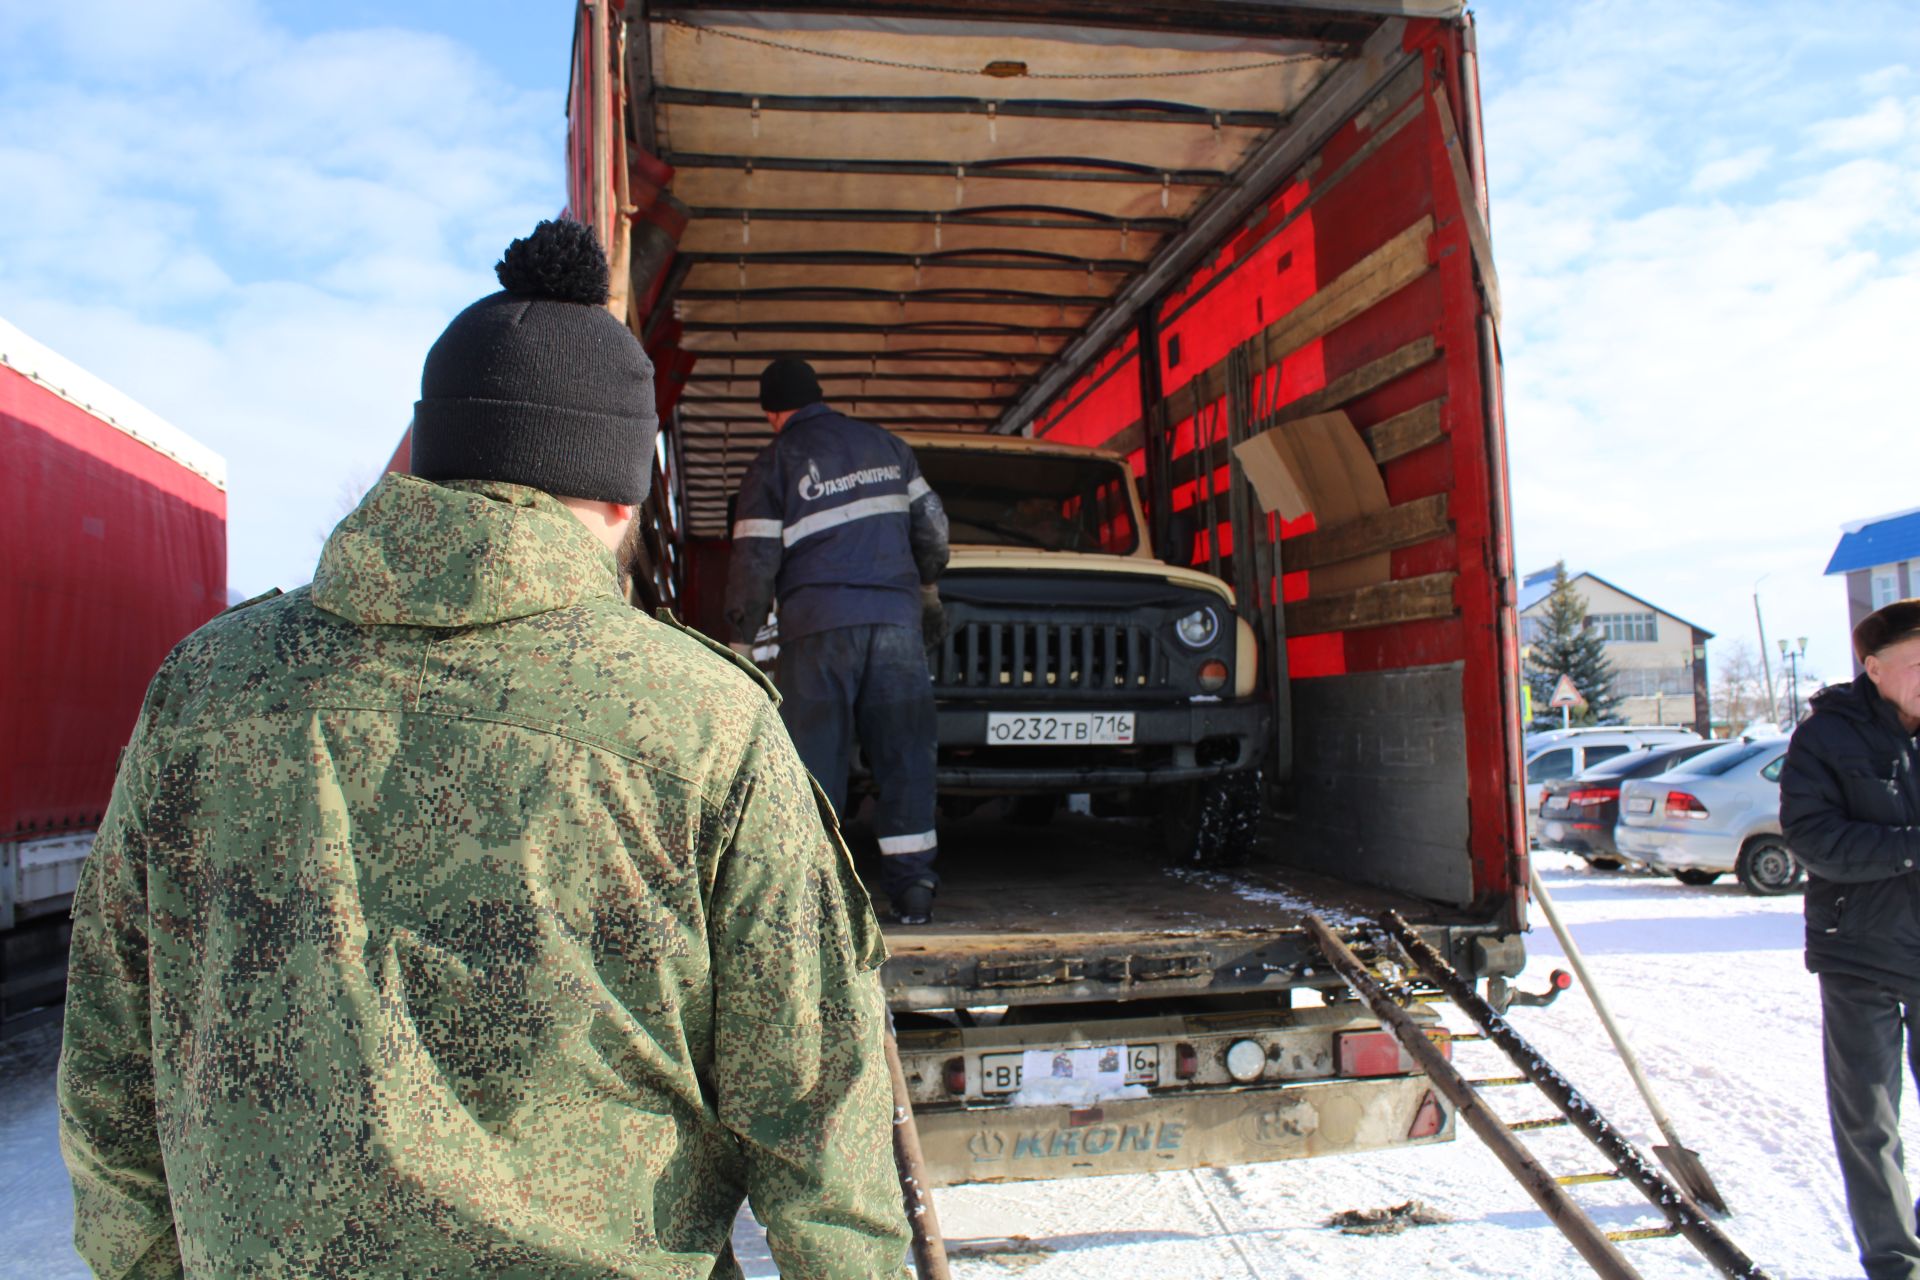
(112, 548)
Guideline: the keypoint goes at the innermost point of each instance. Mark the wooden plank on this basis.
(1403, 526)
(1377, 606)
(1401, 434)
(1382, 273)
(1347, 387)
(1355, 383)
(1477, 234)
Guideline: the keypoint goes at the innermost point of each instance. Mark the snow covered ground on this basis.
(1708, 982)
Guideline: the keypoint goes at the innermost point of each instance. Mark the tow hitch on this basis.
(1502, 994)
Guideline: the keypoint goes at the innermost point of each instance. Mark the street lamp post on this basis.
(1791, 655)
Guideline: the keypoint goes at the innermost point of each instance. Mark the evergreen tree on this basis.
(1566, 645)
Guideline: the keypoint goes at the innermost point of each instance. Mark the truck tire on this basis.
(1696, 877)
(1766, 867)
(1212, 823)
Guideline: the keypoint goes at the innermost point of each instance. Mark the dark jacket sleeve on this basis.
(759, 521)
(927, 524)
(1821, 830)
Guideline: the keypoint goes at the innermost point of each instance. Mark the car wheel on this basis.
(1212, 823)
(1604, 863)
(1767, 867)
(1696, 877)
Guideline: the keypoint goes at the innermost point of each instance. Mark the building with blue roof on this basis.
(1880, 558)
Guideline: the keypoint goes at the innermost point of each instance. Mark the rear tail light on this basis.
(1594, 795)
(1213, 676)
(1378, 1053)
(1186, 1061)
(956, 1075)
(1684, 804)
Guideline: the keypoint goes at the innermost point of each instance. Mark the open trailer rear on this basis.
(1217, 237)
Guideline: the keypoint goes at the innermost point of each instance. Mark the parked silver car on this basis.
(1718, 812)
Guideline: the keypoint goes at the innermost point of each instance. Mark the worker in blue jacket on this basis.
(835, 523)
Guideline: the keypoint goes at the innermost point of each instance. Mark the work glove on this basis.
(933, 617)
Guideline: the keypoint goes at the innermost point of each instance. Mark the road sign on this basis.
(1565, 695)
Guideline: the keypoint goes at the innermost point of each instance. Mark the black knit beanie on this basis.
(539, 384)
(788, 383)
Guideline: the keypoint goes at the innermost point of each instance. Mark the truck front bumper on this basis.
(1172, 744)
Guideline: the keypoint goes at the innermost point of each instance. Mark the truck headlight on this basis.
(1198, 629)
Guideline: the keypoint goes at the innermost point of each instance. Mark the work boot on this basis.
(914, 904)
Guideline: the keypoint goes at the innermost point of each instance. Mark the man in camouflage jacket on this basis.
(453, 918)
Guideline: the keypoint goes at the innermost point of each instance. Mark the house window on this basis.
(1630, 627)
(1886, 586)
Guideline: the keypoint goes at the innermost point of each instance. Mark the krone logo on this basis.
(987, 1145)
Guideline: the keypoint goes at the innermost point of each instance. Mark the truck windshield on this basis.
(1047, 502)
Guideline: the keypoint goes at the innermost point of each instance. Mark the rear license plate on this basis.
(1555, 831)
(1640, 804)
(1060, 729)
(1003, 1072)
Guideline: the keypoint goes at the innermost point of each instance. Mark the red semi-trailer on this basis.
(113, 546)
(1240, 246)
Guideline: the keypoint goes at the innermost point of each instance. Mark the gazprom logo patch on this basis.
(813, 488)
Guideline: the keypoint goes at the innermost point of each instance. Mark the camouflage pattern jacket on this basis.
(453, 918)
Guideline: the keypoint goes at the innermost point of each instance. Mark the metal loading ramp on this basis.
(951, 210)
(1401, 967)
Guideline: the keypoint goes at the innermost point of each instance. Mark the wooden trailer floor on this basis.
(1091, 880)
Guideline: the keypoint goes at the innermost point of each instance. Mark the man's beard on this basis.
(627, 555)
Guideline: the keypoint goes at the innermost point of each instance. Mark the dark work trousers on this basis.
(870, 682)
(1865, 1026)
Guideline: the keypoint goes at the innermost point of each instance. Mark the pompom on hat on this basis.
(539, 384)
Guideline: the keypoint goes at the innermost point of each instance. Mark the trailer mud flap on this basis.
(1149, 1135)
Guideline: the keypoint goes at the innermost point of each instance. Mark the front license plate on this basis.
(1060, 729)
(1003, 1072)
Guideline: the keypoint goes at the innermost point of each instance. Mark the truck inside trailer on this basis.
(1169, 230)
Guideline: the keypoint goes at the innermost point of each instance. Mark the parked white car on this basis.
(1718, 812)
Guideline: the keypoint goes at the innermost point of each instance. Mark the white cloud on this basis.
(1706, 339)
(1729, 171)
(259, 234)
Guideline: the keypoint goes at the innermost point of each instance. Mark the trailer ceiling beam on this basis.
(968, 355)
(1034, 108)
(919, 328)
(1015, 169)
(1315, 20)
(945, 259)
(1058, 219)
(1332, 103)
(851, 293)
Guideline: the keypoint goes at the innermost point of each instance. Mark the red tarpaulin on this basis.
(110, 551)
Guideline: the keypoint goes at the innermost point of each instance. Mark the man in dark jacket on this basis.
(1850, 806)
(835, 522)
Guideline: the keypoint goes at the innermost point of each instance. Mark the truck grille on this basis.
(987, 657)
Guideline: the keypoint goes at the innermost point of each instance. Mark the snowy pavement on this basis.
(1708, 983)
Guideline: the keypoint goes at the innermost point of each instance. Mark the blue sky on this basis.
(256, 217)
